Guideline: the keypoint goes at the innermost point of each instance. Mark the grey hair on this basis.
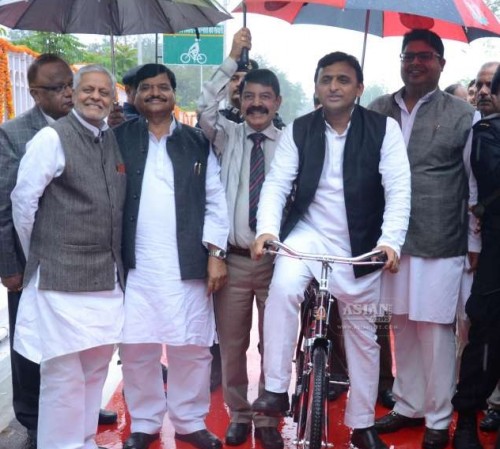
(94, 68)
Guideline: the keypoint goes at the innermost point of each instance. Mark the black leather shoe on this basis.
(140, 440)
(491, 421)
(435, 438)
(237, 433)
(367, 439)
(271, 403)
(269, 437)
(386, 399)
(393, 421)
(107, 417)
(202, 439)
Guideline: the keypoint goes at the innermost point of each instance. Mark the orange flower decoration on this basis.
(6, 98)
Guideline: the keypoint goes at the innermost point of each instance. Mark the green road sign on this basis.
(185, 48)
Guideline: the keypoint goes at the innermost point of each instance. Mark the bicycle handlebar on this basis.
(377, 257)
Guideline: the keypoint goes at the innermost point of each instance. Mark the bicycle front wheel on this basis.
(316, 412)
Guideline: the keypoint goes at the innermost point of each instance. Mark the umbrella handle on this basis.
(244, 58)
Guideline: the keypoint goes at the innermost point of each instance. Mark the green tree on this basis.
(67, 46)
(125, 55)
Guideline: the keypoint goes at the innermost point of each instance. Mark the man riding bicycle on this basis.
(352, 179)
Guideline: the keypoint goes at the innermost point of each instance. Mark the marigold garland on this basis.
(6, 98)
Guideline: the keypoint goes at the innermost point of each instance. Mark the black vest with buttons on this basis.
(188, 149)
(363, 190)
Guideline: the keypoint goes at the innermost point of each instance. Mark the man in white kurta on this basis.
(326, 227)
(67, 209)
(424, 294)
(175, 224)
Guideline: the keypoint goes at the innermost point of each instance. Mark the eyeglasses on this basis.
(57, 89)
(422, 56)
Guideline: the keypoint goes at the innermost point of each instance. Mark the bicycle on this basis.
(194, 54)
(309, 407)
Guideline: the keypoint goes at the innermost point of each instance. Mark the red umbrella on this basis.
(461, 20)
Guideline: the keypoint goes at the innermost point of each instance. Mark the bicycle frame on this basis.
(309, 406)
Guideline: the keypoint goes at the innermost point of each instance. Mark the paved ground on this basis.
(13, 435)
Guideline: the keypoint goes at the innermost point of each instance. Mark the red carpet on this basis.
(112, 436)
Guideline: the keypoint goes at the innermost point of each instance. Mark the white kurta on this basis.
(50, 324)
(427, 289)
(322, 231)
(159, 306)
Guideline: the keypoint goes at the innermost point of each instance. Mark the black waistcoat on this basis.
(363, 191)
(188, 150)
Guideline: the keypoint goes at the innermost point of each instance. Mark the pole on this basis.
(113, 59)
(139, 49)
(367, 26)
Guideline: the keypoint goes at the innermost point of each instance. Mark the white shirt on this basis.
(324, 226)
(48, 323)
(159, 306)
(231, 143)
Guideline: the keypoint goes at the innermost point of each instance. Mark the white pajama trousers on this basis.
(70, 398)
(188, 394)
(425, 370)
(281, 314)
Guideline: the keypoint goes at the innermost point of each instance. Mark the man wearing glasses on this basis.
(436, 127)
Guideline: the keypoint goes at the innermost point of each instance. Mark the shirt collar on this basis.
(271, 132)
(398, 97)
(95, 130)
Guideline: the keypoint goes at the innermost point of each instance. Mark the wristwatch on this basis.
(219, 253)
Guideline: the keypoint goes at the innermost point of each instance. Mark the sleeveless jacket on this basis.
(439, 204)
(188, 150)
(363, 191)
(76, 239)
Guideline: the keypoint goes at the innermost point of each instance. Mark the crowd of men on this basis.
(128, 228)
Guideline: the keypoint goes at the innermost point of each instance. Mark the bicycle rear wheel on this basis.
(316, 411)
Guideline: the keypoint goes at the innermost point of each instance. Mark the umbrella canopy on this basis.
(383, 23)
(110, 17)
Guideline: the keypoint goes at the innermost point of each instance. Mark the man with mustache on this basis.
(67, 210)
(244, 149)
(486, 106)
(484, 102)
(174, 235)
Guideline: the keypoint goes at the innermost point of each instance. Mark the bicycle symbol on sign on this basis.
(193, 54)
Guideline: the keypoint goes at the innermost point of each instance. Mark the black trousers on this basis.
(480, 365)
(25, 376)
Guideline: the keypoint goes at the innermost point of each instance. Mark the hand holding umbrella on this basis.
(242, 41)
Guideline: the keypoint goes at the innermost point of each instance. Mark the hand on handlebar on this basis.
(392, 262)
(257, 248)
